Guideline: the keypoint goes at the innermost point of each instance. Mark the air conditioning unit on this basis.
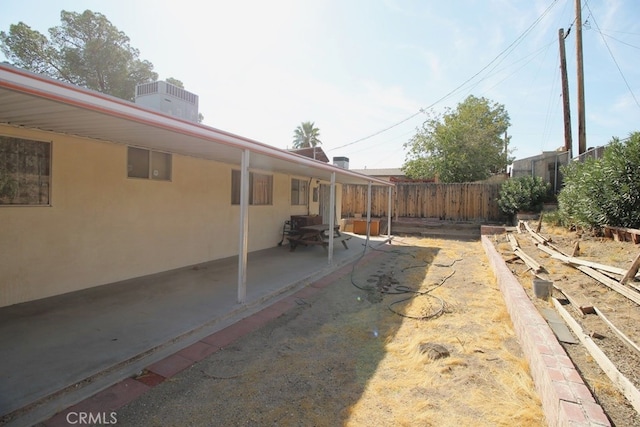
(169, 99)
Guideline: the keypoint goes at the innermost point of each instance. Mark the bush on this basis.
(522, 194)
(553, 218)
(604, 192)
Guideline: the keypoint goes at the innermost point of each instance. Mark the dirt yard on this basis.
(622, 312)
(418, 334)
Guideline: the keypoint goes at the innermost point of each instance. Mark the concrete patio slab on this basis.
(59, 350)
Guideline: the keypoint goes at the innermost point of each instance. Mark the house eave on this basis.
(34, 101)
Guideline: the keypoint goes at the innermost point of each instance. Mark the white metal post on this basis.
(369, 210)
(389, 214)
(244, 227)
(332, 216)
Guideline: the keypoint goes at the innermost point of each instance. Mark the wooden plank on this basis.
(537, 237)
(513, 241)
(584, 309)
(577, 261)
(530, 262)
(633, 346)
(533, 264)
(635, 265)
(607, 281)
(622, 233)
(620, 381)
(594, 265)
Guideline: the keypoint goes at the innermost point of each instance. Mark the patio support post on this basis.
(389, 214)
(332, 217)
(244, 227)
(369, 210)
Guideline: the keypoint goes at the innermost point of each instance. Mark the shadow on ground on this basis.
(309, 366)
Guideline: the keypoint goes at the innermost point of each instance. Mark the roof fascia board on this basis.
(45, 87)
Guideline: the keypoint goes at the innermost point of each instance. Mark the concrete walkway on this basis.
(60, 350)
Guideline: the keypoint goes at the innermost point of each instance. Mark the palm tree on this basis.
(306, 136)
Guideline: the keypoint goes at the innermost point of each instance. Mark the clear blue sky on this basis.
(357, 67)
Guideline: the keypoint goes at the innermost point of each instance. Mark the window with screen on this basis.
(299, 192)
(148, 164)
(260, 188)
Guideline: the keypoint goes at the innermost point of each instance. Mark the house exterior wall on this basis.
(103, 227)
(546, 166)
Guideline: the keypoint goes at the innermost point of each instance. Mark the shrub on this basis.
(522, 194)
(604, 192)
(553, 218)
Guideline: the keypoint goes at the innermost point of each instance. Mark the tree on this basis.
(306, 135)
(175, 82)
(463, 145)
(86, 50)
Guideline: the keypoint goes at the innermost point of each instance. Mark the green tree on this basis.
(463, 145)
(306, 135)
(86, 50)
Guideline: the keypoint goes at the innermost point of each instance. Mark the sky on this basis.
(368, 73)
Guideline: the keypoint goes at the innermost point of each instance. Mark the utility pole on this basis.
(506, 152)
(565, 93)
(582, 131)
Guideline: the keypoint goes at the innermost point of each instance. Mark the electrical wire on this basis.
(402, 289)
(416, 294)
(612, 57)
(495, 60)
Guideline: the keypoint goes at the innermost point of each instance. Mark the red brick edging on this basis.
(566, 400)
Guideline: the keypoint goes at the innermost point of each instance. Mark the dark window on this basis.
(25, 171)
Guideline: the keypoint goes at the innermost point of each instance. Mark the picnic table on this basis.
(316, 235)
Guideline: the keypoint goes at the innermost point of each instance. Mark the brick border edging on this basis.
(566, 400)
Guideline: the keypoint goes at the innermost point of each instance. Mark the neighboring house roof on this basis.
(380, 172)
(391, 175)
(36, 101)
(315, 153)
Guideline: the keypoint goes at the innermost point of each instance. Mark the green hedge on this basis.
(604, 191)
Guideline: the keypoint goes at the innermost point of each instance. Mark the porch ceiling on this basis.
(34, 101)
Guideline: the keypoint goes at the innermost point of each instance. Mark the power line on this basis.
(514, 44)
(612, 57)
(618, 40)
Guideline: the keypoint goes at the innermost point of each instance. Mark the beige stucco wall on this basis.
(103, 227)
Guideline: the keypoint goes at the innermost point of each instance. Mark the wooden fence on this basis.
(454, 202)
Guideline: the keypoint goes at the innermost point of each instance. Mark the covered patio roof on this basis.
(35, 101)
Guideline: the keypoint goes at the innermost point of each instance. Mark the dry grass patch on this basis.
(342, 357)
(485, 381)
